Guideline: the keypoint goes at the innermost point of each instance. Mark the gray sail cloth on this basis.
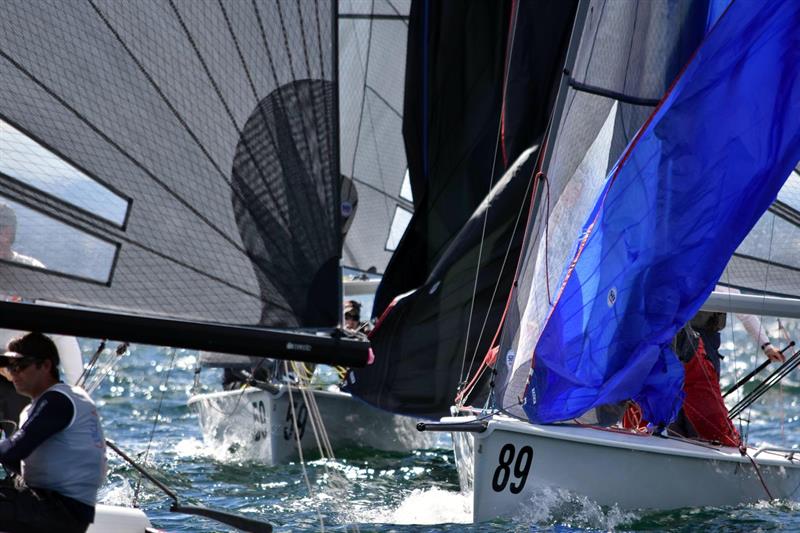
(372, 61)
(213, 127)
(630, 52)
(767, 261)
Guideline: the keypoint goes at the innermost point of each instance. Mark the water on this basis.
(415, 492)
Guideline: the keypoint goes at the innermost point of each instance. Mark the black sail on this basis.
(188, 162)
(473, 104)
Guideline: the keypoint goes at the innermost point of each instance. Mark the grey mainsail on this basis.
(372, 61)
(210, 128)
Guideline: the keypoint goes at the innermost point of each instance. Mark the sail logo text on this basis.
(301, 347)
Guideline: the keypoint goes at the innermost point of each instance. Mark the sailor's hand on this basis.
(773, 354)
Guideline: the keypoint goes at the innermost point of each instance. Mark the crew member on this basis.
(57, 457)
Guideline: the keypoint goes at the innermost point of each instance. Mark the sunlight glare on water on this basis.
(425, 506)
(378, 491)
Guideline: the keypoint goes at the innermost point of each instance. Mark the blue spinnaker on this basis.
(677, 204)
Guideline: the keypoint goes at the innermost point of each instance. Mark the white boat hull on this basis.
(506, 466)
(257, 425)
(114, 519)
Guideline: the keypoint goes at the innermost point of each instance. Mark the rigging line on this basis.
(274, 72)
(398, 199)
(510, 51)
(119, 149)
(90, 366)
(547, 239)
(248, 205)
(590, 52)
(337, 484)
(302, 382)
(380, 97)
(497, 285)
(155, 423)
(363, 97)
(326, 139)
(242, 138)
(300, 447)
(95, 380)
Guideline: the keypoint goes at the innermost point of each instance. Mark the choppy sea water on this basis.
(367, 490)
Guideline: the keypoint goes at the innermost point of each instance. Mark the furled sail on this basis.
(376, 194)
(683, 196)
(173, 160)
(479, 86)
(625, 55)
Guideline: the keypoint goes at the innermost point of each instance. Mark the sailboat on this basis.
(705, 157)
(274, 418)
(455, 99)
(174, 170)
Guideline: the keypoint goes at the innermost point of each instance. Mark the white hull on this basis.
(113, 519)
(506, 466)
(258, 426)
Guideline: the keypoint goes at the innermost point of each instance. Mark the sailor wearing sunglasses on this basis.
(57, 456)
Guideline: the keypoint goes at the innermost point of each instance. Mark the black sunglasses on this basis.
(19, 365)
(350, 316)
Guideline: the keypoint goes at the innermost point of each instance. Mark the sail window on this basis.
(405, 189)
(35, 240)
(27, 161)
(399, 222)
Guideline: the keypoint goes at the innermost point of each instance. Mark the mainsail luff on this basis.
(212, 127)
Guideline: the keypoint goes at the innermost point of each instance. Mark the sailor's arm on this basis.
(754, 328)
(53, 413)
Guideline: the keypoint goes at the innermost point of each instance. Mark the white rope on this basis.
(336, 481)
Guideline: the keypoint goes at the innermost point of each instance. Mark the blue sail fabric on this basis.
(675, 207)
